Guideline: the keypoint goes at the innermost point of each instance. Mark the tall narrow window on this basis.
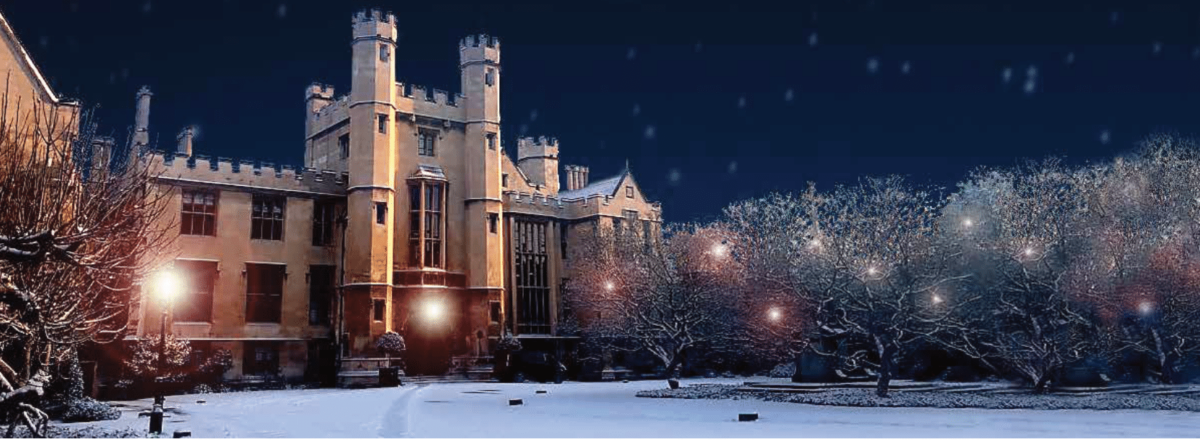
(425, 142)
(380, 213)
(344, 145)
(493, 221)
(532, 279)
(383, 122)
(494, 311)
(383, 52)
(324, 215)
(266, 218)
(618, 228)
(199, 215)
(200, 277)
(562, 238)
(504, 180)
(427, 201)
(378, 308)
(490, 77)
(264, 292)
(491, 141)
(433, 225)
(647, 231)
(321, 289)
(628, 191)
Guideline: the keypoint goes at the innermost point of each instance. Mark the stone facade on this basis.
(407, 201)
(29, 99)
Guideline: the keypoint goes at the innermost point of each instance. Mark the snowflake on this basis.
(905, 67)
(674, 176)
(1156, 48)
(649, 133)
(631, 54)
(1006, 75)
(812, 39)
(281, 11)
(789, 95)
(1070, 59)
(533, 114)
(741, 102)
(637, 109)
(733, 167)
(1030, 86)
(872, 65)
(1105, 136)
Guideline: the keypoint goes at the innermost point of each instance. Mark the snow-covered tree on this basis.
(666, 297)
(75, 232)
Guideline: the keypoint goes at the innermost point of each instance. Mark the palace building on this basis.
(408, 215)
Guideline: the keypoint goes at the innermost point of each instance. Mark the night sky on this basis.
(709, 103)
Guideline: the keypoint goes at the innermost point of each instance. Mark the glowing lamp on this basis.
(167, 285)
(434, 310)
(774, 314)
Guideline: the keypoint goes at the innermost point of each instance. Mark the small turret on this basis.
(539, 160)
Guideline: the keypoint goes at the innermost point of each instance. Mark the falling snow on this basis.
(905, 67)
(674, 176)
(1006, 75)
(1070, 59)
(812, 39)
(741, 102)
(631, 54)
(281, 11)
(533, 114)
(1105, 136)
(649, 133)
(789, 95)
(1156, 48)
(872, 65)
(733, 167)
(637, 109)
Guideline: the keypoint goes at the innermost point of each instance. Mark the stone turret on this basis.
(539, 160)
(184, 139)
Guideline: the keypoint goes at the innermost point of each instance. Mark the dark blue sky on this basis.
(711, 82)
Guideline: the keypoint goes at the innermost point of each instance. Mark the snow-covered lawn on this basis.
(612, 410)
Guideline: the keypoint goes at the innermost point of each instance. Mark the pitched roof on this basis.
(604, 187)
(23, 56)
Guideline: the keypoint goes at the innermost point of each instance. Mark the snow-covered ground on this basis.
(612, 410)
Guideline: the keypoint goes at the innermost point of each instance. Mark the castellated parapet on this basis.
(372, 23)
(245, 175)
(479, 48)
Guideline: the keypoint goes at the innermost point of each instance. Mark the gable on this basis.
(24, 78)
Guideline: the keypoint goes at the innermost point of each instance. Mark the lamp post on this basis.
(167, 286)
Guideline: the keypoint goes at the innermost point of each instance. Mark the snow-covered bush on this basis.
(143, 357)
(86, 410)
(785, 370)
(390, 343)
(508, 344)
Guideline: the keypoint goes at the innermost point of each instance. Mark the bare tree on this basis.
(666, 297)
(74, 232)
(1029, 231)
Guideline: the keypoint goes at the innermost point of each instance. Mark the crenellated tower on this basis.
(479, 63)
(539, 159)
(371, 190)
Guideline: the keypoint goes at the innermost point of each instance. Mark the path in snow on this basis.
(612, 410)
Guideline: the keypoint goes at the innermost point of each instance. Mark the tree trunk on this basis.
(1041, 386)
(796, 375)
(886, 353)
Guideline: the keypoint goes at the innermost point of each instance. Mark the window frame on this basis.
(207, 215)
(259, 301)
(343, 143)
(378, 310)
(427, 142)
(260, 219)
(199, 287)
(428, 201)
(320, 296)
(324, 222)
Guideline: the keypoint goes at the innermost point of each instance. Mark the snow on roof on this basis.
(428, 172)
(23, 55)
(604, 187)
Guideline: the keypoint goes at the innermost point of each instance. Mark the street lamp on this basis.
(968, 222)
(609, 286)
(166, 285)
(434, 310)
(719, 250)
(1145, 308)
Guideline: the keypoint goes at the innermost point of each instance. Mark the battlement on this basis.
(481, 48)
(203, 169)
(318, 90)
(373, 16)
(373, 24)
(528, 147)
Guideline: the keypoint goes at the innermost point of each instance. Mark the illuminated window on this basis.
(199, 279)
(532, 278)
(426, 223)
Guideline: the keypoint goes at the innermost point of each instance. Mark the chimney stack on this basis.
(577, 177)
(185, 141)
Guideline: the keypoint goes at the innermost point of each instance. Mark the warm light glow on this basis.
(967, 222)
(872, 271)
(609, 286)
(434, 310)
(1028, 251)
(167, 285)
(1146, 307)
(816, 243)
(937, 299)
(774, 314)
(719, 250)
